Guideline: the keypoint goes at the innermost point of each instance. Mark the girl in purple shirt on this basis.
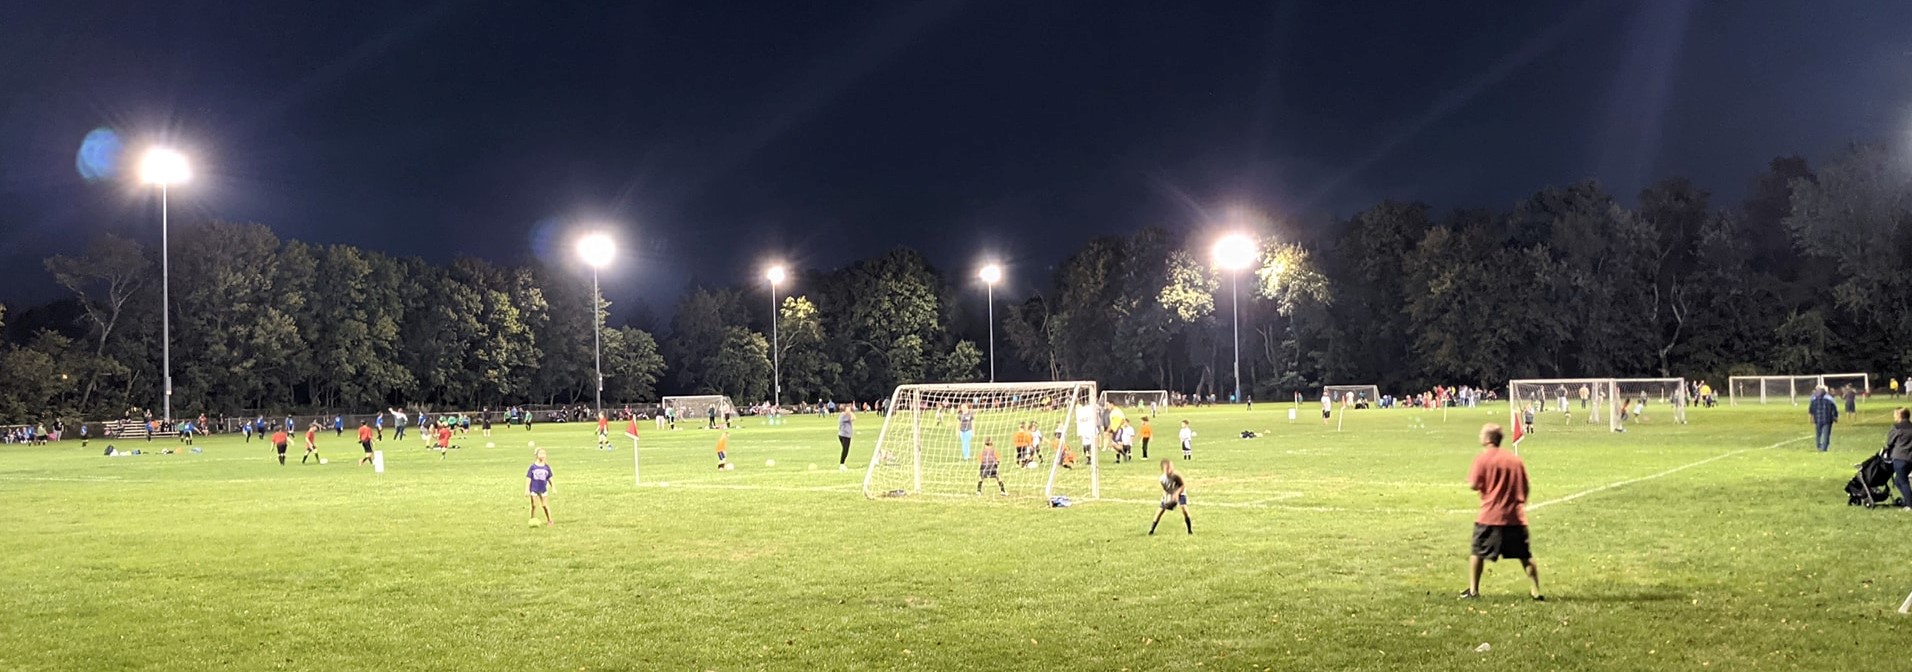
(538, 482)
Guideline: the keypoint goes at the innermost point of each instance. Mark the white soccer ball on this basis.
(322, 460)
(664, 484)
(769, 463)
(489, 444)
(531, 444)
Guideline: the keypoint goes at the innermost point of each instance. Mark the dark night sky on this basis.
(718, 134)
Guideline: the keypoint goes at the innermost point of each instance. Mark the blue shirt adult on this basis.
(1824, 412)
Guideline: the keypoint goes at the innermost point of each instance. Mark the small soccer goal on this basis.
(933, 440)
(1353, 396)
(1566, 402)
(698, 408)
(1147, 400)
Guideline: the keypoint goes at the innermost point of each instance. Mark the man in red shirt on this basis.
(1500, 531)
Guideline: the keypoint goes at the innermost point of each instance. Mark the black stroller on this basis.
(1872, 486)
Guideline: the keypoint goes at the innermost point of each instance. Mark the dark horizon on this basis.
(716, 137)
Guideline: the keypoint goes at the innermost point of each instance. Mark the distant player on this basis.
(1174, 495)
(365, 441)
(1088, 427)
(1021, 440)
(538, 485)
(278, 443)
(444, 440)
(723, 451)
(1124, 443)
(1145, 433)
(604, 432)
(1527, 417)
(989, 464)
(398, 425)
(1064, 457)
(1500, 531)
(965, 427)
(311, 442)
(484, 423)
(1187, 435)
(1327, 407)
(1560, 396)
(710, 415)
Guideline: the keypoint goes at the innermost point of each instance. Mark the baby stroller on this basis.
(1872, 486)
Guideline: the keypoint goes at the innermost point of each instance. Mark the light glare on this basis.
(775, 274)
(597, 249)
(162, 166)
(991, 274)
(1234, 252)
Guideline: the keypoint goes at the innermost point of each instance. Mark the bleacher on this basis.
(135, 429)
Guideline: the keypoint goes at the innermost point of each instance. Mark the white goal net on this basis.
(1793, 390)
(1146, 400)
(1353, 396)
(1566, 402)
(1651, 395)
(698, 409)
(935, 436)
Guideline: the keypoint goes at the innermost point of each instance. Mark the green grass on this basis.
(1314, 549)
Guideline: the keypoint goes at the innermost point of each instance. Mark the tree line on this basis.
(1807, 275)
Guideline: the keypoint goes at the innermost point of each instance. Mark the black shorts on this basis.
(367, 445)
(1493, 542)
(987, 471)
(280, 446)
(1324, 415)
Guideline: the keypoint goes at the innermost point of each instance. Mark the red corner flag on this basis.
(1518, 434)
(631, 430)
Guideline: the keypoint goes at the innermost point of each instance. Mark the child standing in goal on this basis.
(989, 466)
(1174, 494)
(1188, 441)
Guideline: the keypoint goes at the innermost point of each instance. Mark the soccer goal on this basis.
(698, 407)
(1150, 400)
(1838, 382)
(1772, 389)
(1562, 402)
(924, 449)
(1353, 396)
(1671, 393)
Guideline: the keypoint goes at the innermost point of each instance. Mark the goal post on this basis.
(1150, 400)
(1565, 402)
(1672, 392)
(1836, 383)
(1353, 396)
(1791, 389)
(921, 447)
(696, 407)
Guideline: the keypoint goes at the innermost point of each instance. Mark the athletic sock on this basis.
(1190, 523)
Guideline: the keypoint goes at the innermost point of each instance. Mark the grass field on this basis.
(1723, 544)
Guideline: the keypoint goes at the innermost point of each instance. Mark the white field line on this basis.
(1631, 481)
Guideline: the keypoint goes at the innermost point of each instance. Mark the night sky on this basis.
(721, 135)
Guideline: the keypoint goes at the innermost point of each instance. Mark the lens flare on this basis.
(99, 157)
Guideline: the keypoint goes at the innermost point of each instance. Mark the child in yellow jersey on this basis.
(723, 446)
(1021, 439)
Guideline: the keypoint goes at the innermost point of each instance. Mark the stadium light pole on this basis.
(596, 250)
(775, 275)
(991, 275)
(164, 168)
(1233, 253)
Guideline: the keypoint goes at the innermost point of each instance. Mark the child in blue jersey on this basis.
(538, 484)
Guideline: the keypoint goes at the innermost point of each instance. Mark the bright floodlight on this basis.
(775, 274)
(991, 274)
(597, 249)
(1234, 252)
(163, 166)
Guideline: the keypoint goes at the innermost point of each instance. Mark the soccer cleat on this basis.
(1540, 598)
(1469, 594)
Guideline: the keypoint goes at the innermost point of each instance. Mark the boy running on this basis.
(990, 464)
(311, 442)
(537, 485)
(365, 441)
(1174, 494)
(1500, 531)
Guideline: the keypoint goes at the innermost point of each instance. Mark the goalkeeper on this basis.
(1174, 494)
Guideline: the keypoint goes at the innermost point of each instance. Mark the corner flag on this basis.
(1518, 434)
(631, 430)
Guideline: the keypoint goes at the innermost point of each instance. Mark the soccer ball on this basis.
(813, 466)
(534, 522)
(322, 460)
(531, 444)
(664, 484)
(489, 444)
(769, 463)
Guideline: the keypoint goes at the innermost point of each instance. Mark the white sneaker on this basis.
(842, 468)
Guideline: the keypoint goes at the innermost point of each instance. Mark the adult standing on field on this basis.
(398, 424)
(1500, 531)
(1824, 412)
(1893, 384)
(846, 430)
(1898, 442)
